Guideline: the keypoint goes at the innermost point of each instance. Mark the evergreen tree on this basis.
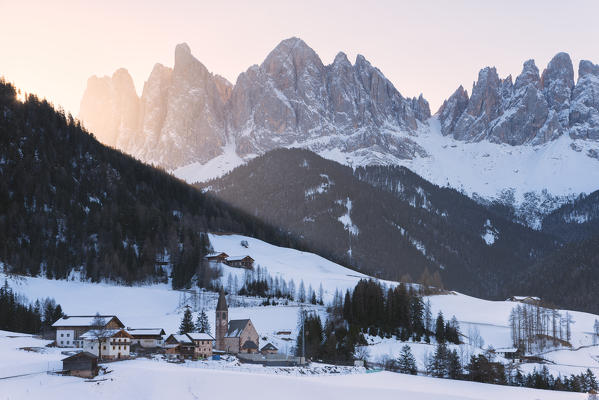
(406, 363)
(187, 322)
(438, 363)
(202, 323)
(440, 328)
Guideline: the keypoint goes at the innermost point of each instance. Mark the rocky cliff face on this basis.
(584, 109)
(535, 109)
(188, 115)
(110, 107)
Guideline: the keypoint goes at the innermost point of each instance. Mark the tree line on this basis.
(17, 315)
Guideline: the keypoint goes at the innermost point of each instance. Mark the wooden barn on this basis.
(217, 257)
(84, 365)
(246, 262)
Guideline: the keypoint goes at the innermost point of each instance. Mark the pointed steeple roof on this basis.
(222, 302)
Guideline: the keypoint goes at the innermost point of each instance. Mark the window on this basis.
(112, 347)
(61, 342)
(103, 347)
(68, 334)
(68, 342)
(61, 335)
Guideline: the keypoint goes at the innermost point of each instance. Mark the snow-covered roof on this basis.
(145, 331)
(181, 338)
(268, 346)
(82, 320)
(238, 258)
(217, 254)
(94, 333)
(200, 336)
(236, 326)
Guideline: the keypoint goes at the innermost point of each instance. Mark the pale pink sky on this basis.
(52, 47)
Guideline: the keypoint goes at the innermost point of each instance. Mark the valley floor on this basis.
(156, 379)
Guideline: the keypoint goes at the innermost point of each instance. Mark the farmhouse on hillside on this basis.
(526, 299)
(70, 328)
(235, 336)
(246, 262)
(115, 343)
(217, 257)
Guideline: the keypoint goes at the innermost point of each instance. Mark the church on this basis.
(235, 336)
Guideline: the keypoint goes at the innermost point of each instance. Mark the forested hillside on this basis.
(68, 203)
(575, 221)
(384, 221)
(569, 277)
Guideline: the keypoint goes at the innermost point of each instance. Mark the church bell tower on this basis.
(222, 321)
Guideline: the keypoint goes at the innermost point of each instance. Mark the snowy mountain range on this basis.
(533, 143)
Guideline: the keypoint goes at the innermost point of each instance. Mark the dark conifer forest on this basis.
(69, 203)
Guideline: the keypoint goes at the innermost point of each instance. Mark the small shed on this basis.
(84, 365)
(269, 348)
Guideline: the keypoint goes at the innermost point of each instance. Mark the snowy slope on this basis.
(534, 178)
(160, 306)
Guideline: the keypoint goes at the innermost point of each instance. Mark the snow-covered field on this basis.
(160, 306)
(156, 379)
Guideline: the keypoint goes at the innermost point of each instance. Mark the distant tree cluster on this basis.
(258, 282)
(18, 316)
(398, 311)
(534, 327)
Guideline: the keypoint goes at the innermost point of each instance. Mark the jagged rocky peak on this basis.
(528, 76)
(534, 109)
(110, 105)
(189, 114)
(451, 109)
(557, 83)
(584, 108)
(586, 67)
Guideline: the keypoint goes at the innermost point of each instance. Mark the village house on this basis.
(217, 257)
(269, 348)
(246, 262)
(115, 343)
(70, 327)
(203, 344)
(181, 346)
(84, 365)
(147, 338)
(235, 336)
